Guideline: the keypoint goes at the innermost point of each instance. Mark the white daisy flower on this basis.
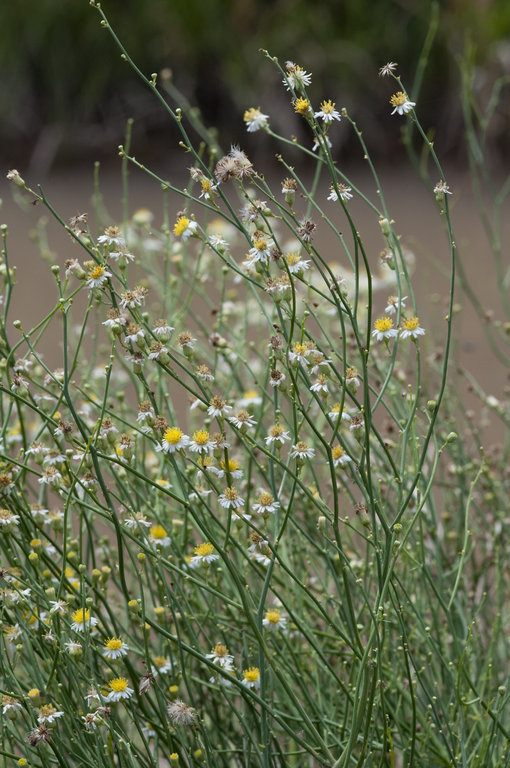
(322, 142)
(185, 228)
(260, 252)
(334, 413)
(97, 276)
(48, 714)
(394, 304)
(340, 458)
(8, 518)
(73, 648)
(82, 620)
(200, 442)
(295, 264)
(320, 385)
(114, 648)
(218, 407)
(229, 499)
(251, 677)
(158, 536)
(255, 120)
(327, 112)
(401, 103)
(411, 328)
(162, 665)
(273, 620)
(219, 655)
(302, 451)
(122, 256)
(204, 553)
(9, 703)
(242, 420)
(250, 397)
(344, 193)
(383, 329)
(162, 331)
(173, 440)
(300, 353)
(296, 76)
(208, 189)
(277, 434)
(119, 689)
(266, 503)
(111, 237)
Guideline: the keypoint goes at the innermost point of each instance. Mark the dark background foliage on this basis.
(66, 94)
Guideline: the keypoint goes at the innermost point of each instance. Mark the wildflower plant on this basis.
(243, 543)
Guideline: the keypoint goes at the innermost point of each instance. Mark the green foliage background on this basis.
(59, 69)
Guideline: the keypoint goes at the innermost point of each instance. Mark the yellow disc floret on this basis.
(181, 225)
(205, 549)
(172, 435)
(301, 106)
(383, 324)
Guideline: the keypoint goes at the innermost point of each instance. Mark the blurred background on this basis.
(65, 93)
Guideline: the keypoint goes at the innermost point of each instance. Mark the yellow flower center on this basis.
(181, 225)
(33, 693)
(206, 185)
(230, 494)
(232, 464)
(172, 435)
(47, 710)
(301, 106)
(251, 114)
(260, 244)
(292, 259)
(5, 514)
(201, 437)
(265, 499)
(327, 107)
(204, 549)
(158, 532)
(276, 431)
(114, 644)
(411, 324)
(220, 650)
(118, 684)
(299, 349)
(96, 273)
(252, 674)
(337, 452)
(273, 616)
(398, 99)
(80, 616)
(383, 324)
